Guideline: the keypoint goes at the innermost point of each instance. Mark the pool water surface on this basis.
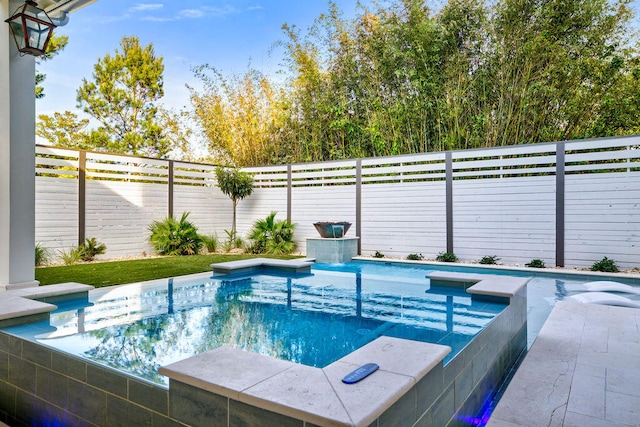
(312, 319)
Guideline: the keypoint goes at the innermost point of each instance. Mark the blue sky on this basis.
(227, 34)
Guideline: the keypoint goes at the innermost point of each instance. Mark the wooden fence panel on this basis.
(502, 200)
(603, 218)
(56, 213)
(399, 219)
(119, 214)
(513, 218)
(209, 209)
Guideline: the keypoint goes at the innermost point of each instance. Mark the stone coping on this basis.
(481, 284)
(21, 302)
(48, 291)
(246, 265)
(12, 307)
(315, 395)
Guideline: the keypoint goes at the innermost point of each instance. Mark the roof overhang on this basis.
(59, 10)
(66, 6)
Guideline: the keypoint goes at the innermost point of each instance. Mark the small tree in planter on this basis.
(236, 185)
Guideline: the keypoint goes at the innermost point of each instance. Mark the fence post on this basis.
(560, 203)
(170, 189)
(82, 195)
(449, 199)
(359, 204)
(289, 191)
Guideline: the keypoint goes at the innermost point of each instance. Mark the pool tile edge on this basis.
(296, 390)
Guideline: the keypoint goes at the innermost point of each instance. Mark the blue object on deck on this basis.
(361, 373)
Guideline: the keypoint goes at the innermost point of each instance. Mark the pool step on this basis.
(254, 264)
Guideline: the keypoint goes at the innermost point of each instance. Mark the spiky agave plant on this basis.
(173, 237)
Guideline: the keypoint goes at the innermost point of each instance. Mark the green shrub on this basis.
(605, 264)
(172, 237)
(43, 254)
(90, 248)
(210, 242)
(269, 236)
(536, 263)
(378, 254)
(489, 259)
(415, 257)
(233, 241)
(447, 257)
(70, 256)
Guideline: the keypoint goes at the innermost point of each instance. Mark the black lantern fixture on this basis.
(31, 28)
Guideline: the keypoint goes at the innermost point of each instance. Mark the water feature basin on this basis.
(329, 229)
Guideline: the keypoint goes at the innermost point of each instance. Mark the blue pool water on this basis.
(312, 319)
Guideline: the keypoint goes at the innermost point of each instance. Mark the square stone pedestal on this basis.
(332, 250)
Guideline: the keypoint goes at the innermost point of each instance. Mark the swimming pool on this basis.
(312, 319)
(42, 384)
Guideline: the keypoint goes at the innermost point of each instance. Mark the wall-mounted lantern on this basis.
(31, 28)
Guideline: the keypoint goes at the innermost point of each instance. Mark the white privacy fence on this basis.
(568, 203)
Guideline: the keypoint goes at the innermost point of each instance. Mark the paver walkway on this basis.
(582, 370)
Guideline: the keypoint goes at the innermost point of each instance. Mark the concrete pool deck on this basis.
(582, 370)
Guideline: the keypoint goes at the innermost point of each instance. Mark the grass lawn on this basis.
(110, 273)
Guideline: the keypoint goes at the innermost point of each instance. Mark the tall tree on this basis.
(239, 116)
(68, 130)
(401, 78)
(236, 185)
(62, 129)
(121, 96)
(55, 46)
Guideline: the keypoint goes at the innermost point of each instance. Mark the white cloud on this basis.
(207, 11)
(191, 13)
(145, 7)
(156, 19)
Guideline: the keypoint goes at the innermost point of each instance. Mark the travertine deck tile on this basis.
(579, 371)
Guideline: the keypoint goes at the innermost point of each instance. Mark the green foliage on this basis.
(173, 237)
(210, 242)
(446, 257)
(55, 46)
(90, 248)
(121, 96)
(63, 129)
(233, 241)
(272, 237)
(236, 185)
(70, 256)
(415, 257)
(378, 254)
(606, 265)
(489, 259)
(402, 78)
(42, 254)
(241, 116)
(536, 263)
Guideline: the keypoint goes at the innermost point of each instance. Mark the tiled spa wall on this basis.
(42, 386)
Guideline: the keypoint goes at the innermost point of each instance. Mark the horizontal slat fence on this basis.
(569, 203)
